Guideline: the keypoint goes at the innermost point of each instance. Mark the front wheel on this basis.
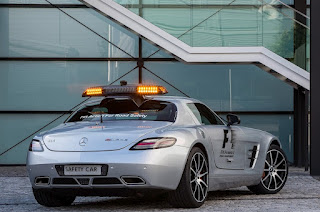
(193, 187)
(275, 172)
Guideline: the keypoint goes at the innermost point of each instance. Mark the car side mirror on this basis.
(233, 119)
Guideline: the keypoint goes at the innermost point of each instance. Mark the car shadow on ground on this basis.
(228, 194)
(141, 203)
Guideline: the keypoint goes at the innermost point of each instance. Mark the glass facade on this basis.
(49, 33)
(223, 87)
(48, 57)
(55, 86)
(221, 23)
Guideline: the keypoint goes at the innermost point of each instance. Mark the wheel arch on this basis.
(276, 142)
(202, 147)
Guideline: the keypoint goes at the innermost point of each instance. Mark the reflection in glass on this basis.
(223, 87)
(48, 32)
(29, 85)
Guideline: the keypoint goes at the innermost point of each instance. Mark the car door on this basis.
(228, 150)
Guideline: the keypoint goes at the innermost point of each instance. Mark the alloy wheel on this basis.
(199, 177)
(275, 170)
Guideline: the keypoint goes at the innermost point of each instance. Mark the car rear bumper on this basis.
(152, 169)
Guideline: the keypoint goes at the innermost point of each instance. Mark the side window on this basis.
(195, 111)
(204, 114)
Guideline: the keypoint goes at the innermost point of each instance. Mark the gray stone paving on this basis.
(301, 193)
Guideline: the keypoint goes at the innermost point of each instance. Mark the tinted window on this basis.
(126, 109)
(204, 114)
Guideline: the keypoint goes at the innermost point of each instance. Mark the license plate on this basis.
(82, 170)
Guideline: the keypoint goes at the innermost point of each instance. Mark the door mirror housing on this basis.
(233, 119)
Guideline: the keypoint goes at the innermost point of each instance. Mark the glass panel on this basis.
(116, 34)
(278, 125)
(308, 42)
(196, 2)
(34, 32)
(224, 87)
(15, 127)
(163, 18)
(278, 31)
(148, 78)
(216, 23)
(151, 51)
(225, 28)
(40, 2)
(55, 85)
(127, 2)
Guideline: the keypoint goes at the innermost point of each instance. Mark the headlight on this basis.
(154, 143)
(35, 146)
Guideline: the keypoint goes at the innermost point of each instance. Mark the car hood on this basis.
(107, 136)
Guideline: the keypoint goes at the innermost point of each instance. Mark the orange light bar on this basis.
(147, 90)
(125, 90)
(94, 91)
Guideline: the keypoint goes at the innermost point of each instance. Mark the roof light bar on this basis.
(113, 90)
(147, 90)
(97, 91)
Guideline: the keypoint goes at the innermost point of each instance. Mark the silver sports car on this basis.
(132, 140)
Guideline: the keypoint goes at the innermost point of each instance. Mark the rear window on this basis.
(117, 110)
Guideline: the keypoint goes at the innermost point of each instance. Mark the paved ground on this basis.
(301, 193)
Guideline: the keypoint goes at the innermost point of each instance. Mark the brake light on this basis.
(154, 143)
(35, 146)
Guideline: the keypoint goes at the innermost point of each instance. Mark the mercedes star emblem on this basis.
(83, 141)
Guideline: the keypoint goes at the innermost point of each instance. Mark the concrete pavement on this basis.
(301, 193)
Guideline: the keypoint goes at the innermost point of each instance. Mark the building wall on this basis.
(48, 59)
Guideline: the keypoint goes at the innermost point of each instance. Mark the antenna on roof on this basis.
(123, 82)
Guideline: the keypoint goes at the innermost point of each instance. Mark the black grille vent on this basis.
(106, 181)
(83, 181)
(64, 181)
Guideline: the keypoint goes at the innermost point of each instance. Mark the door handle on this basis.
(229, 160)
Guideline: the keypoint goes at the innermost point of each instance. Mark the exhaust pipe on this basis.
(42, 181)
(133, 180)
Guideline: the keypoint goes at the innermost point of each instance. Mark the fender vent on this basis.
(253, 155)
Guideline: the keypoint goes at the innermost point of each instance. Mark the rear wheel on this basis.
(52, 199)
(193, 187)
(274, 174)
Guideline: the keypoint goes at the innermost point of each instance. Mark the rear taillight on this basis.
(154, 143)
(35, 146)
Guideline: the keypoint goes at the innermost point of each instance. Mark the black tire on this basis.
(51, 199)
(192, 185)
(275, 172)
